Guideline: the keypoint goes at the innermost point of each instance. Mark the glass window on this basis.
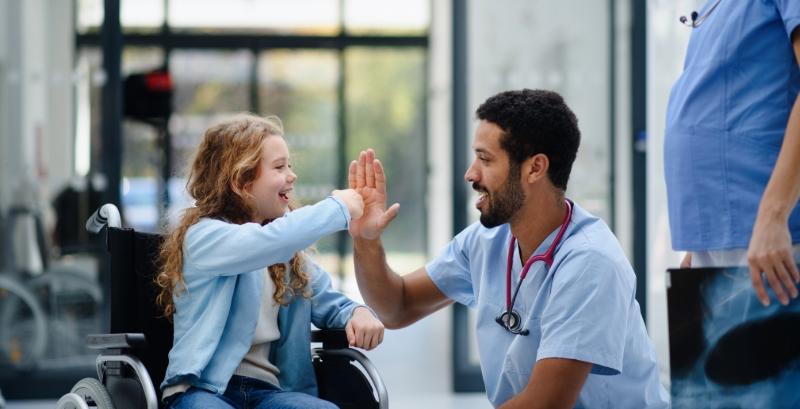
(385, 107)
(141, 14)
(134, 15)
(297, 16)
(387, 16)
(209, 85)
(300, 87)
(89, 15)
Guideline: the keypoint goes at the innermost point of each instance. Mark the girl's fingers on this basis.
(351, 175)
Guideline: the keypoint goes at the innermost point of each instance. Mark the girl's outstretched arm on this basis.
(215, 247)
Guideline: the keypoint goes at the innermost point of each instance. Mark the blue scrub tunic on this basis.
(583, 307)
(726, 120)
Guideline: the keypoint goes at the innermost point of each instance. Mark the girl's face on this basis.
(275, 181)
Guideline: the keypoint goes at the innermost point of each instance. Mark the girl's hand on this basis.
(353, 201)
(364, 330)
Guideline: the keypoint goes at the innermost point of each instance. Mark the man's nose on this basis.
(471, 175)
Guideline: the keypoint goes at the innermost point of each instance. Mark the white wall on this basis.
(561, 46)
(666, 45)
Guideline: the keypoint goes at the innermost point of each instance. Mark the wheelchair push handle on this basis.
(106, 215)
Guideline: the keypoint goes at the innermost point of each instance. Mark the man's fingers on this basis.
(369, 170)
(380, 177)
(792, 267)
(777, 288)
(360, 178)
(785, 276)
(351, 175)
(687, 260)
(758, 285)
(389, 215)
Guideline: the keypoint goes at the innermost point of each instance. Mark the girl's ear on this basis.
(235, 188)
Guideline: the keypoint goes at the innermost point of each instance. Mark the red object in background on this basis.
(158, 81)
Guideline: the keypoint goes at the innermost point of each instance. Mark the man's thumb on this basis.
(390, 214)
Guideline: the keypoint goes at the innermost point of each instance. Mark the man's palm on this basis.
(368, 226)
(367, 178)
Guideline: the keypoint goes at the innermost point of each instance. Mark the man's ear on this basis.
(535, 167)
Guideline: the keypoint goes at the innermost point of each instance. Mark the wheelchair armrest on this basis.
(330, 338)
(115, 341)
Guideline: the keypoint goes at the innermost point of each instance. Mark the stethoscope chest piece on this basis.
(510, 320)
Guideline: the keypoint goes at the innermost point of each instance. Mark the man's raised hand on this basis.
(367, 178)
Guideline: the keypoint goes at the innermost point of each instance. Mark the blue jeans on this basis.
(247, 393)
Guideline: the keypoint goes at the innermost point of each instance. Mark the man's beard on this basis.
(503, 204)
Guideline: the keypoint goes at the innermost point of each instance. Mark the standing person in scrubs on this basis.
(732, 143)
(568, 334)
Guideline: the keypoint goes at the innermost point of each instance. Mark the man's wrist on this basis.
(771, 210)
(366, 244)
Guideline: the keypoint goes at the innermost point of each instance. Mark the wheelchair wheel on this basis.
(24, 336)
(93, 393)
(71, 401)
(74, 304)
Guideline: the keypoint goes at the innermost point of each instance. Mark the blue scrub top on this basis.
(582, 308)
(726, 120)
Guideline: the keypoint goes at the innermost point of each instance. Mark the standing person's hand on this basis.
(770, 256)
(687, 260)
(364, 330)
(367, 178)
(353, 201)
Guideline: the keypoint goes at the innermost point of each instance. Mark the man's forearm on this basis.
(783, 189)
(381, 287)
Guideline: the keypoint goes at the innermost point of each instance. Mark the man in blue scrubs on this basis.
(732, 143)
(571, 334)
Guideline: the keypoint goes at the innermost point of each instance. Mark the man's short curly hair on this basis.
(533, 122)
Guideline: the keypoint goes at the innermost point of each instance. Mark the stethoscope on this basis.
(510, 319)
(696, 20)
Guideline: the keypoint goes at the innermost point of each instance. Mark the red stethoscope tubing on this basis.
(547, 257)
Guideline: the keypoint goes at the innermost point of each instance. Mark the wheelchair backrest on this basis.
(134, 265)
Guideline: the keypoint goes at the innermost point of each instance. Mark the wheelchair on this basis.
(133, 358)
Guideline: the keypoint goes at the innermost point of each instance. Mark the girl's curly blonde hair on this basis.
(226, 164)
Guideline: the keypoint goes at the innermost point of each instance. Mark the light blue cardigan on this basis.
(215, 318)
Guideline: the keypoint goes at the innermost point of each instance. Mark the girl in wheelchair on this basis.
(234, 259)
